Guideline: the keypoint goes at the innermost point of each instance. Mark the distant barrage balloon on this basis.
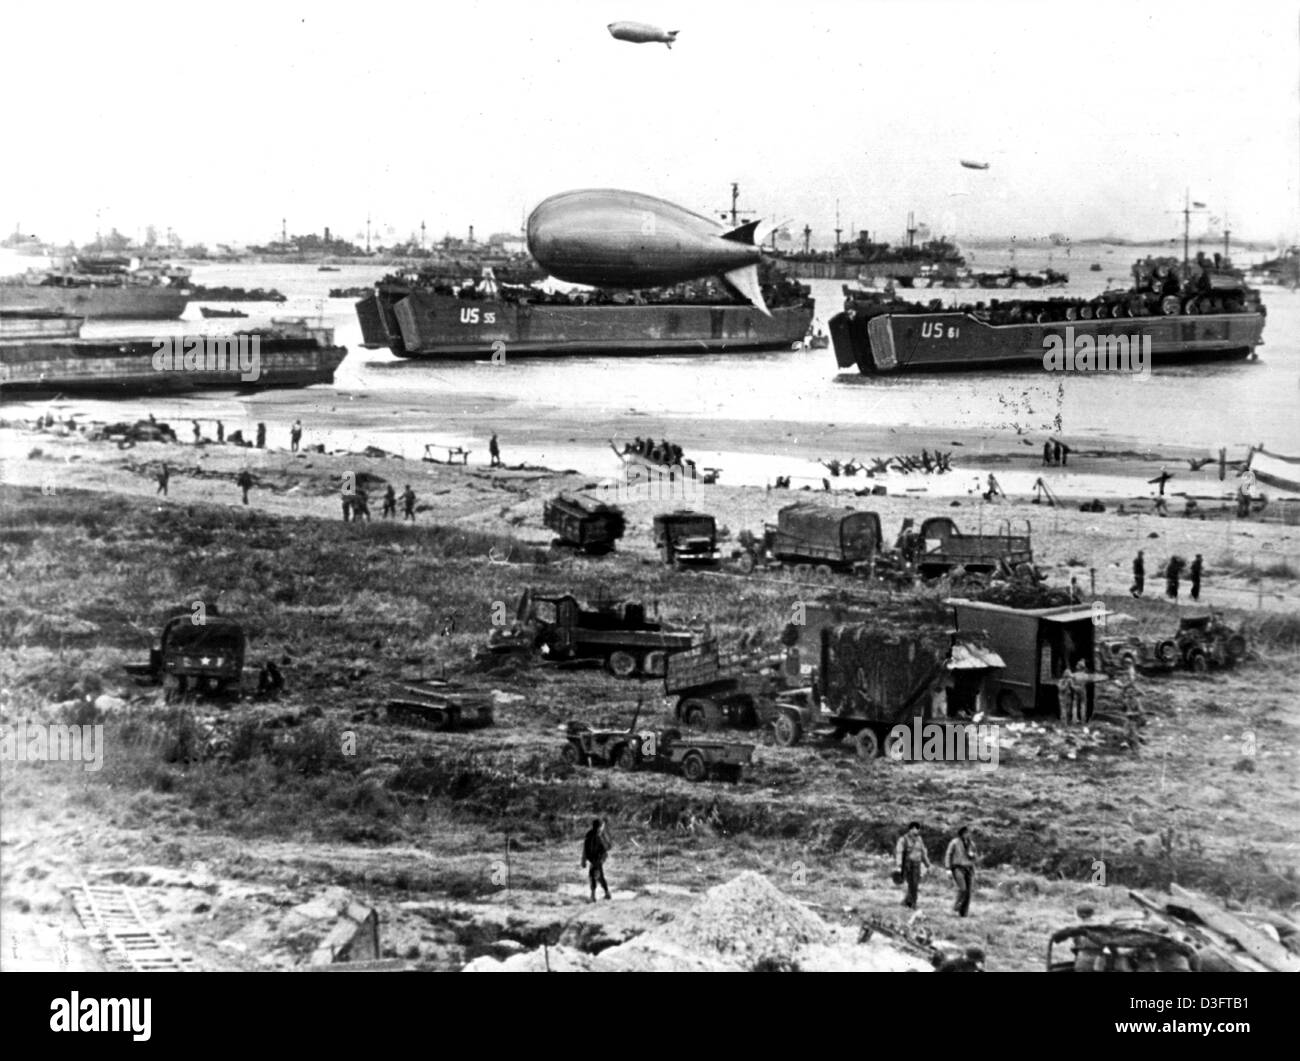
(642, 33)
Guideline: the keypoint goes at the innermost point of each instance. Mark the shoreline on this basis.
(1095, 548)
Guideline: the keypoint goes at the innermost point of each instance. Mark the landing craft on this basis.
(974, 165)
(641, 33)
(610, 238)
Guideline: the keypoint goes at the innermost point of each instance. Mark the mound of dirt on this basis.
(743, 925)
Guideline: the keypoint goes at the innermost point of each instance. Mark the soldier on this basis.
(390, 502)
(1079, 702)
(494, 451)
(221, 431)
(261, 436)
(295, 436)
(361, 505)
(408, 504)
(245, 482)
(1173, 571)
(1132, 704)
(1197, 567)
(348, 496)
(595, 849)
(164, 476)
(198, 435)
(1139, 575)
(913, 861)
(1047, 454)
(960, 862)
(1065, 691)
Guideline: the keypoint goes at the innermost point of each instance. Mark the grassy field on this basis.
(321, 782)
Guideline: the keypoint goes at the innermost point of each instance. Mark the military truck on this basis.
(747, 690)
(941, 547)
(686, 537)
(583, 524)
(695, 758)
(814, 538)
(617, 632)
(199, 649)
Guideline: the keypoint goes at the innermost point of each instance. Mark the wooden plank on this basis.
(1251, 940)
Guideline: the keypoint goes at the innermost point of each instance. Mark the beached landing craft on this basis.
(101, 288)
(634, 243)
(1194, 312)
(38, 360)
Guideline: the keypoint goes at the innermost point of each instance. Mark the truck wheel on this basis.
(1009, 705)
(437, 720)
(572, 754)
(622, 664)
(787, 731)
(825, 573)
(702, 714)
(803, 572)
(1167, 653)
(655, 663)
(1198, 662)
(694, 768)
(627, 757)
(1236, 648)
(866, 744)
(746, 563)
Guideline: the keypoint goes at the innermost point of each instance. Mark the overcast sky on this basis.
(219, 119)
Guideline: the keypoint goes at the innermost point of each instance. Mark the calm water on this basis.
(377, 398)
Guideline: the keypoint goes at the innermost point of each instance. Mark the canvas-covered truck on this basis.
(941, 547)
(619, 633)
(814, 537)
(686, 537)
(713, 687)
(583, 524)
(1037, 645)
(881, 667)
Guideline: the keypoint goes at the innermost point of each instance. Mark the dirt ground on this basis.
(241, 827)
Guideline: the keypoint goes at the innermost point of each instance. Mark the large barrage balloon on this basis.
(641, 33)
(610, 238)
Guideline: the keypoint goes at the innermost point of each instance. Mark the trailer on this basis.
(942, 547)
(686, 537)
(748, 690)
(1038, 645)
(589, 526)
(814, 537)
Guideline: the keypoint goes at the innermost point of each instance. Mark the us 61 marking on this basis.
(938, 330)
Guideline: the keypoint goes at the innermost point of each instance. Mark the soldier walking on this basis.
(1139, 575)
(164, 477)
(261, 435)
(595, 849)
(494, 451)
(390, 502)
(913, 861)
(1197, 567)
(960, 862)
(408, 504)
(361, 505)
(245, 482)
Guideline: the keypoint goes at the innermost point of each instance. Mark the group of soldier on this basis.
(356, 502)
(1173, 576)
(662, 452)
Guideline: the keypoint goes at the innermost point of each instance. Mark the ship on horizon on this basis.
(100, 288)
